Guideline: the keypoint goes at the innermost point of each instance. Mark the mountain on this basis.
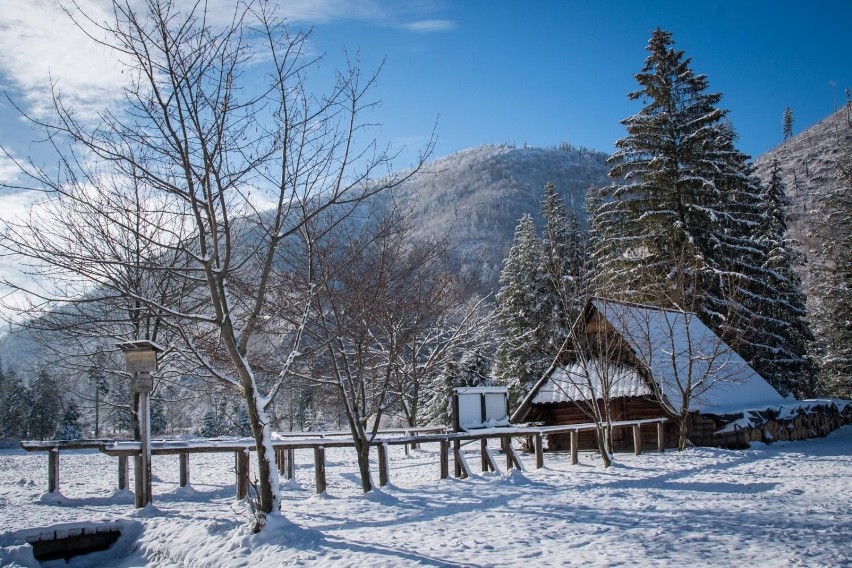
(808, 165)
(476, 197)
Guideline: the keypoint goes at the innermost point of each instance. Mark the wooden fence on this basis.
(286, 446)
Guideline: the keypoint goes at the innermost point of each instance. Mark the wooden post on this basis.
(383, 465)
(538, 444)
(457, 467)
(445, 459)
(575, 442)
(507, 441)
(122, 473)
(483, 447)
(637, 440)
(291, 464)
(280, 460)
(319, 468)
(242, 466)
(53, 470)
(184, 469)
(661, 438)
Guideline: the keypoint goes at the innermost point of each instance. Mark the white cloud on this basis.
(41, 44)
(430, 26)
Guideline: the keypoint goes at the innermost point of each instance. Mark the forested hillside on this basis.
(477, 196)
(808, 166)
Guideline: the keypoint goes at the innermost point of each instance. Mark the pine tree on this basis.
(786, 330)
(211, 425)
(564, 260)
(679, 230)
(15, 403)
(436, 409)
(472, 370)
(523, 315)
(46, 408)
(158, 415)
(69, 427)
(787, 123)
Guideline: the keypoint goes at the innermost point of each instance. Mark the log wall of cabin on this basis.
(624, 408)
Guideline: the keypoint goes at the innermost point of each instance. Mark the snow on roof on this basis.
(578, 382)
(679, 350)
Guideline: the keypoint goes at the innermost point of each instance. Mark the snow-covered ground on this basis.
(785, 504)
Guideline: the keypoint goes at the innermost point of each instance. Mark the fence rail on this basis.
(286, 445)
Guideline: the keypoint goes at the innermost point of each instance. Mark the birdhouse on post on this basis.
(141, 357)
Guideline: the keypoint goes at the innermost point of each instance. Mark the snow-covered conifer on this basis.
(680, 227)
(787, 332)
(523, 314)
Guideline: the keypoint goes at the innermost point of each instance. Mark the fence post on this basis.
(184, 469)
(637, 440)
(53, 470)
(445, 459)
(661, 439)
(319, 468)
(575, 442)
(538, 443)
(122, 473)
(291, 464)
(457, 467)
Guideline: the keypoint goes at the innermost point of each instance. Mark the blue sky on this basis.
(545, 72)
(536, 73)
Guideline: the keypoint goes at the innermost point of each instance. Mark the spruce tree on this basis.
(679, 230)
(564, 261)
(45, 411)
(787, 123)
(786, 330)
(69, 427)
(525, 307)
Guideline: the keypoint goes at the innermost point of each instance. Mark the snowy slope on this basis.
(778, 505)
(477, 196)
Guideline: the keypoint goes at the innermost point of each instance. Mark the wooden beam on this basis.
(637, 440)
(319, 469)
(514, 459)
(661, 438)
(461, 464)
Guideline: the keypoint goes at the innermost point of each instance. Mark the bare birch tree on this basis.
(234, 168)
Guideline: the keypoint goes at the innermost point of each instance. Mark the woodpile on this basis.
(809, 421)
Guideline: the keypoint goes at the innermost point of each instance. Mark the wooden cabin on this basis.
(632, 362)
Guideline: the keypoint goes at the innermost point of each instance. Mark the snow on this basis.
(678, 349)
(571, 383)
(782, 504)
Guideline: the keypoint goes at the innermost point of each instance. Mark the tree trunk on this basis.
(603, 450)
(683, 433)
(363, 450)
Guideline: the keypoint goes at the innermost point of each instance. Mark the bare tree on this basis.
(233, 169)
